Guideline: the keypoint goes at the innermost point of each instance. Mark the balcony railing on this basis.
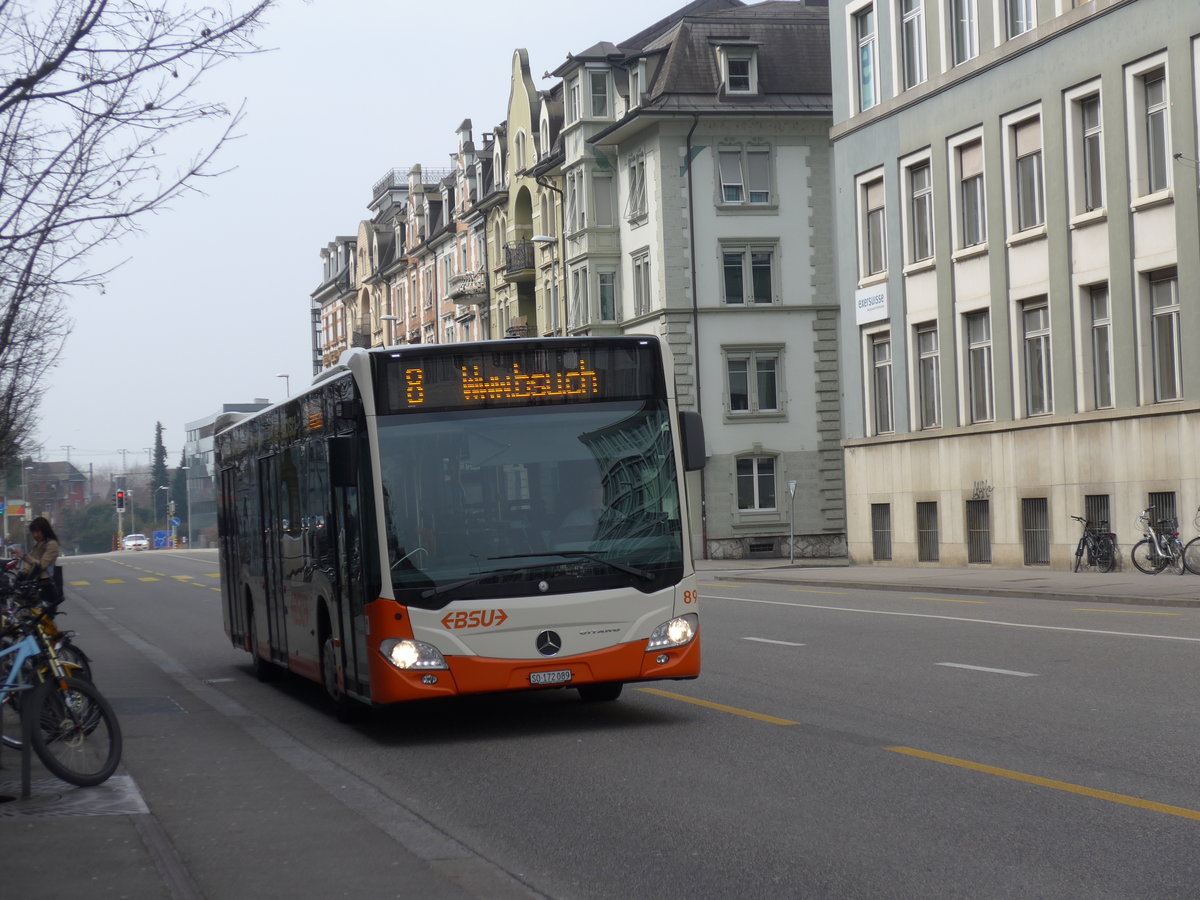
(519, 261)
(469, 287)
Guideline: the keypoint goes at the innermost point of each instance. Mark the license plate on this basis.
(550, 677)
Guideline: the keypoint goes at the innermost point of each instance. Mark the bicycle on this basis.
(1160, 547)
(1191, 550)
(1097, 546)
(74, 730)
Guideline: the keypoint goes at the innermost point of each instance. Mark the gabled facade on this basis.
(1016, 261)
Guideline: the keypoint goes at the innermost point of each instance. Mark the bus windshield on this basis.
(527, 501)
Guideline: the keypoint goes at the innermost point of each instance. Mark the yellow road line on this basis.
(708, 704)
(1128, 612)
(148, 579)
(949, 600)
(1107, 796)
(212, 574)
(114, 580)
(182, 577)
(79, 583)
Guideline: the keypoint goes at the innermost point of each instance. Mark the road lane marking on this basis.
(79, 583)
(815, 591)
(114, 580)
(148, 578)
(908, 615)
(1127, 612)
(708, 704)
(986, 669)
(212, 574)
(1109, 796)
(949, 600)
(771, 641)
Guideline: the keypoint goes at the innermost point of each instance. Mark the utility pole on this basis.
(68, 448)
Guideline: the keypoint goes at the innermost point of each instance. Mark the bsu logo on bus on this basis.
(475, 618)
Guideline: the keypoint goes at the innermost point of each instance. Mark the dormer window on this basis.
(598, 91)
(637, 83)
(739, 68)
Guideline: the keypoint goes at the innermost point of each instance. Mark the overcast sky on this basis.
(213, 302)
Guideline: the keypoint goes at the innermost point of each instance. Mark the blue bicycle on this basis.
(74, 730)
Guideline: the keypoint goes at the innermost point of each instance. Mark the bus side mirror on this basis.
(691, 434)
(342, 471)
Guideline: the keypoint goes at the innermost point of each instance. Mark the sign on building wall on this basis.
(870, 304)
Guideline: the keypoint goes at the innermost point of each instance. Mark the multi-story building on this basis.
(1016, 212)
(198, 452)
(677, 183)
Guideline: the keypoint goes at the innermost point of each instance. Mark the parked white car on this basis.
(135, 542)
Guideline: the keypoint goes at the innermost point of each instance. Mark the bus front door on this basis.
(274, 613)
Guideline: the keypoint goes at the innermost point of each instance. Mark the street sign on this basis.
(176, 522)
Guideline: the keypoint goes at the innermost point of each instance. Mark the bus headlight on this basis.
(405, 654)
(675, 633)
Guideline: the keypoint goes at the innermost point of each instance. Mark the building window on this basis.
(881, 382)
(927, 532)
(579, 296)
(574, 109)
(979, 366)
(739, 69)
(881, 531)
(1029, 199)
(964, 30)
(753, 380)
(912, 41)
(1036, 324)
(1035, 530)
(1164, 336)
(636, 208)
(756, 482)
(929, 385)
(598, 82)
(607, 284)
(637, 76)
(1154, 86)
(874, 244)
(1162, 504)
(1095, 510)
(602, 201)
(868, 60)
(738, 79)
(1020, 16)
(641, 283)
(979, 531)
(1091, 153)
(1102, 388)
(745, 176)
(972, 211)
(748, 274)
(920, 212)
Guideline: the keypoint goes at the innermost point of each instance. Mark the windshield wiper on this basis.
(440, 589)
(583, 554)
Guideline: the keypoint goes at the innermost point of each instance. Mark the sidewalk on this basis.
(1126, 586)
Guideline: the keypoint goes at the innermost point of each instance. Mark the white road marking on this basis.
(986, 669)
(906, 615)
(769, 641)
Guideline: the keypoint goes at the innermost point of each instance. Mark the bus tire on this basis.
(264, 669)
(600, 693)
(345, 708)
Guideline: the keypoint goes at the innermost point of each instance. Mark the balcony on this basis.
(469, 287)
(519, 262)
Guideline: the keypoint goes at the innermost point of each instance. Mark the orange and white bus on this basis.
(426, 521)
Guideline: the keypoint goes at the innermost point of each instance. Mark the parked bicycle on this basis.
(1191, 550)
(1160, 547)
(1097, 548)
(73, 728)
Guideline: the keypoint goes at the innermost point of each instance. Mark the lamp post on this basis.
(154, 500)
(552, 242)
(792, 522)
(287, 383)
(392, 327)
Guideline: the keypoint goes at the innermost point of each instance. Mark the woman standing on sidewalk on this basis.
(42, 558)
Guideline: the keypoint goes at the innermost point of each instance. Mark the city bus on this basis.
(434, 520)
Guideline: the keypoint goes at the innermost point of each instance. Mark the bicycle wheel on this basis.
(74, 660)
(1146, 557)
(1176, 560)
(75, 733)
(1106, 553)
(1080, 549)
(1191, 555)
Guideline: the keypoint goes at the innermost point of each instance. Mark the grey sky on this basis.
(213, 301)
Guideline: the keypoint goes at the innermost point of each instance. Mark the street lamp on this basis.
(287, 383)
(393, 320)
(552, 242)
(154, 500)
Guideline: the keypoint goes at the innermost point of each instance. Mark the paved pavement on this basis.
(142, 834)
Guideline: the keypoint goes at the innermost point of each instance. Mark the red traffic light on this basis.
(120, 500)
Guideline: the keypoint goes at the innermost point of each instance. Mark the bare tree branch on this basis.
(93, 95)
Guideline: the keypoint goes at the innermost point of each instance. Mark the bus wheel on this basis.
(598, 693)
(345, 708)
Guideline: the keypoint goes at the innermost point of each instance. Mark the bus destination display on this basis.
(519, 377)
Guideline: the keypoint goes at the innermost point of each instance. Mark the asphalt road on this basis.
(840, 743)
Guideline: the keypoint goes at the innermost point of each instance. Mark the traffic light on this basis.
(120, 501)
